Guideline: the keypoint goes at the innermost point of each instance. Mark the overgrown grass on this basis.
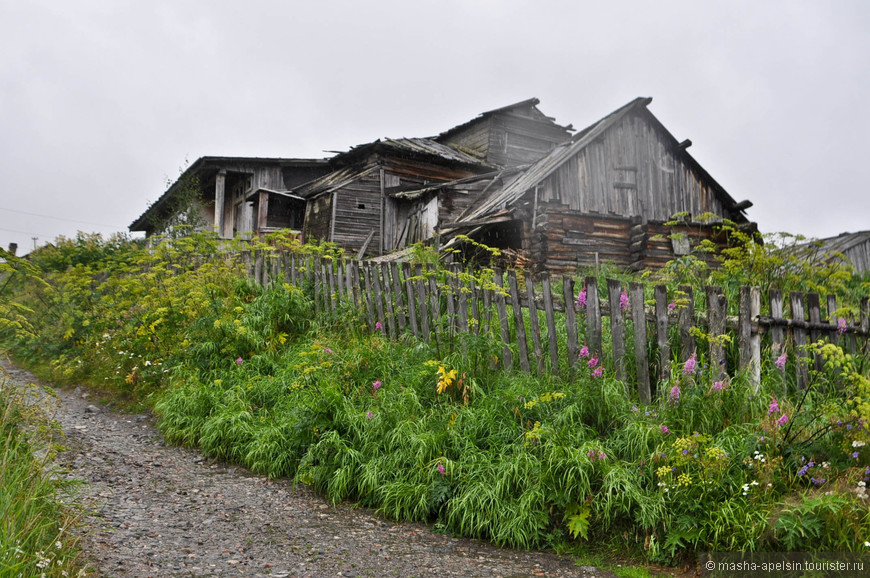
(38, 510)
(433, 432)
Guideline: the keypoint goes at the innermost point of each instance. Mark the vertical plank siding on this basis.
(410, 299)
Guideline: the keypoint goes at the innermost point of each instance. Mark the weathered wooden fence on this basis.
(399, 298)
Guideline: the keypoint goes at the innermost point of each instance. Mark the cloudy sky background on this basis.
(103, 102)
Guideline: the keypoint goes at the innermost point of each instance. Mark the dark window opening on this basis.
(360, 205)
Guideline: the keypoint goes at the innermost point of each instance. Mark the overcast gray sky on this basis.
(102, 102)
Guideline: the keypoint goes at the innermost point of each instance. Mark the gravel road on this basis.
(167, 511)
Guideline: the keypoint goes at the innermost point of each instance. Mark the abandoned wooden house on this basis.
(854, 248)
(511, 178)
(234, 196)
(384, 196)
(604, 195)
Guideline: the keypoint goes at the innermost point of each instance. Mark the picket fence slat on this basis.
(617, 327)
(553, 343)
(570, 321)
(535, 325)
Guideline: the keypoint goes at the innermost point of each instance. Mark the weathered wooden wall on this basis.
(859, 255)
(357, 213)
(633, 169)
(510, 137)
(563, 240)
(318, 216)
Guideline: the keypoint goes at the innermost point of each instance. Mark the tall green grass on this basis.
(38, 511)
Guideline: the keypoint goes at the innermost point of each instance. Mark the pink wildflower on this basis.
(581, 298)
(689, 367)
(774, 406)
(590, 454)
(376, 386)
(780, 361)
(782, 419)
(379, 326)
(841, 326)
(592, 362)
(675, 393)
(441, 469)
(370, 415)
(584, 352)
(601, 455)
(672, 306)
(665, 429)
(718, 386)
(597, 372)
(623, 301)
(327, 350)
(239, 361)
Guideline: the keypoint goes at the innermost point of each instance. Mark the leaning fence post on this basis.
(800, 339)
(815, 310)
(717, 308)
(519, 325)
(749, 342)
(662, 333)
(865, 324)
(534, 322)
(570, 320)
(553, 343)
(593, 317)
(638, 316)
(409, 290)
(686, 319)
(504, 329)
(617, 327)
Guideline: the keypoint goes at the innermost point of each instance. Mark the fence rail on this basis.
(403, 298)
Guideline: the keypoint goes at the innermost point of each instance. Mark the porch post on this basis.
(219, 185)
(263, 212)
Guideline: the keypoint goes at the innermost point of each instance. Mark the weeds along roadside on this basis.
(431, 432)
(40, 512)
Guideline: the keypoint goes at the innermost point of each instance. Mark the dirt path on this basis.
(167, 511)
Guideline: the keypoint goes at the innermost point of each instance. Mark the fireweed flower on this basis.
(581, 298)
(782, 419)
(379, 326)
(370, 415)
(584, 352)
(672, 306)
(780, 361)
(590, 454)
(774, 406)
(376, 386)
(689, 366)
(718, 386)
(597, 372)
(623, 301)
(601, 455)
(239, 361)
(441, 469)
(592, 362)
(327, 350)
(675, 393)
(841, 326)
(665, 429)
